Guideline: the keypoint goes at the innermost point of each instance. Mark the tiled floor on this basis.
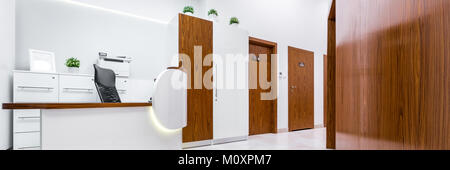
(314, 139)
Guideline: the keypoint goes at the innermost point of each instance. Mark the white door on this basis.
(230, 108)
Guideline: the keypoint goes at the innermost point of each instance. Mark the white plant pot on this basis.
(188, 13)
(73, 69)
(234, 25)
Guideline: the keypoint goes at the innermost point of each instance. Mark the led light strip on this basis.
(112, 11)
(158, 124)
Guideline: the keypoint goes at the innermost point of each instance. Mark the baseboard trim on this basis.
(196, 144)
(229, 140)
(319, 126)
(284, 130)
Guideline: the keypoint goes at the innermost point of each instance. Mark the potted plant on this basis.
(234, 21)
(73, 65)
(188, 9)
(212, 14)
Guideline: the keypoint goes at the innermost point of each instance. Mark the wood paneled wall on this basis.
(392, 74)
(197, 32)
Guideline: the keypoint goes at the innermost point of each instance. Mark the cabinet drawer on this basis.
(27, 140)
(122, 84)
(122, 88)
(77, 89)
(27, 121)
(35, 87)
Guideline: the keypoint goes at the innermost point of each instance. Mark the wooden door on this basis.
(301, 89)
(197, 32)
(262, 113)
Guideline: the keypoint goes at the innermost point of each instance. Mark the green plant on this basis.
(234, 20)
(73, 62)
(189, 9)
(213, 12)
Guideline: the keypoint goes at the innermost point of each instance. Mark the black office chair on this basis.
(105, 82)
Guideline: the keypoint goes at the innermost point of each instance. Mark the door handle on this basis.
(30, 117)
(78, 90)
(293, 87)
(33, 87)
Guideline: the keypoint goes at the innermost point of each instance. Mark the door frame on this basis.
(325, 95)
(274, 71)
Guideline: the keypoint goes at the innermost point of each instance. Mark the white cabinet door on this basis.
(122, 86)
(77, 89)
(35, 88)
(231, 100)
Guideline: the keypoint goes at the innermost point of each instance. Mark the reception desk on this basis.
(101, 126)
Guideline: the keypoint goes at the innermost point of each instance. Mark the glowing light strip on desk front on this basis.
(158, 124)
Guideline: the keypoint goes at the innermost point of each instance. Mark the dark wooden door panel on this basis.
(301, 89)
(197, 32)
(330, 80)
(261, 112)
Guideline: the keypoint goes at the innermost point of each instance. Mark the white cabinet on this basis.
(26, 129)
(35, 87)
(30, 87)
(77, 89)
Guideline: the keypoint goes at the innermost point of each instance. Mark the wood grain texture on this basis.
(25, 106)
(197, 32)
(301, 89)
(392, 74)
(330, 80)
(262, 113)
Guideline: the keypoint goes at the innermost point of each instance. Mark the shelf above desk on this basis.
(22, 106)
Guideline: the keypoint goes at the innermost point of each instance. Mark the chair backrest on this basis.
(104, 76)
(105, 82)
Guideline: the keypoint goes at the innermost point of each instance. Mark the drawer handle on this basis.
(78, 89)
(30, 117)
(35, 87)
(28, 132)
(31, 147)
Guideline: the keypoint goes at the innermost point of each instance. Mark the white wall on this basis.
(296, 23)
(7, 14)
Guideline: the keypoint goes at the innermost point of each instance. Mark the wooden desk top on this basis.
(13, 106)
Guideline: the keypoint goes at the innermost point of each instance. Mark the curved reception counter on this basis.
(106, 126)
(100, 126)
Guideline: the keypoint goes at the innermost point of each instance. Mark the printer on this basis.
(119, 64)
